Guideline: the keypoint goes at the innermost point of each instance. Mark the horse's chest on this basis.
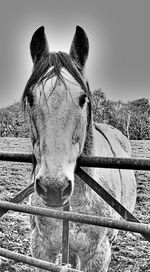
(83, 237)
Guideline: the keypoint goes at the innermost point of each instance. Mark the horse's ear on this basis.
(80, 47)
(38, 45)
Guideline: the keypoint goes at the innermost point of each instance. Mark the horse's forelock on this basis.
(42, 72)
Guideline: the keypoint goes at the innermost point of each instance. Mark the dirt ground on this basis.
(130, 253)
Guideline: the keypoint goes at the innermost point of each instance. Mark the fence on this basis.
(132, 224)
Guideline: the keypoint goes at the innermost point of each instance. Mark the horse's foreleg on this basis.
(41, 249)
(99, 259)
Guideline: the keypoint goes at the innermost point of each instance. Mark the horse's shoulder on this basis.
(115, 137)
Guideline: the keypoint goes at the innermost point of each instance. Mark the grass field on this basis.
(131, 253)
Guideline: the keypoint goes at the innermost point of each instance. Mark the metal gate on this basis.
(131, 223)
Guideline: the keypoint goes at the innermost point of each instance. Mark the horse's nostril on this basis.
(67, 190)
(41, 189)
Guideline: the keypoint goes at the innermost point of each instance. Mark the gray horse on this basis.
(58, 99)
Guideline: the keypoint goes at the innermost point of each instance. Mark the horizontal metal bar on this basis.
(90, 161)
(111, 162)
(76, 217)
(16, 157)
(33, 261)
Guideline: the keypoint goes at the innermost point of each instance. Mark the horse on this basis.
(58, 100)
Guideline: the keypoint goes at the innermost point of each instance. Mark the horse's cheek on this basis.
(75, 153)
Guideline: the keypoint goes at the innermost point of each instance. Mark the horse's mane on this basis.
(42, 72)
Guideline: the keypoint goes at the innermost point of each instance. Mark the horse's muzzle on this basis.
(54, 196)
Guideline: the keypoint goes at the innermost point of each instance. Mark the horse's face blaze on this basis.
(60, 123)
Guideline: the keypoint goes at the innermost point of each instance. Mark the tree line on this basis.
(132, 118)
(13, 121)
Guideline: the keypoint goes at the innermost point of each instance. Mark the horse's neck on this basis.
(88, 149)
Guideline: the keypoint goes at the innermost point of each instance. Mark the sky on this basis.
(119, 38)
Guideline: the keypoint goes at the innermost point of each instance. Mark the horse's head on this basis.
(58, 100)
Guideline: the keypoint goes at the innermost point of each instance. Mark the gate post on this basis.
(65, 237)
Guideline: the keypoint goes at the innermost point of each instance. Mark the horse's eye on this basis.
(82, 100)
